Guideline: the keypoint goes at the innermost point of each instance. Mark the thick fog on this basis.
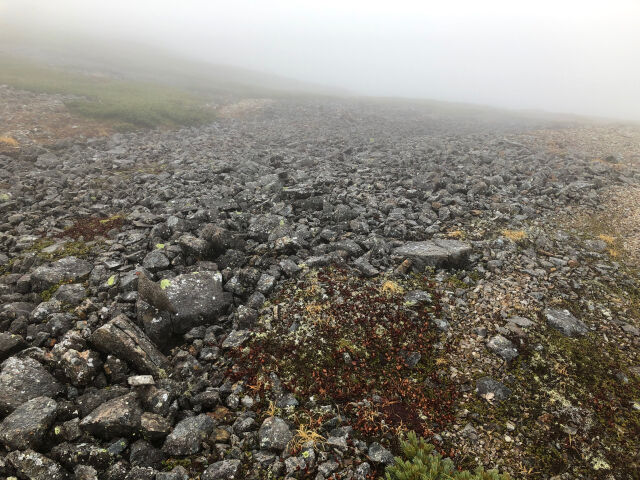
(563, 56)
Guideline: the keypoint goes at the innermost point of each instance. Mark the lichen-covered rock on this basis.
(223, 470)
(27, 425)
(188, 435)
(35, 466)
(127, 341)
(503, 347)
(22, 379)
(198, 299)
(274, 434)
(118, 417)
(67, 269)
(438, 253)
(565, 322)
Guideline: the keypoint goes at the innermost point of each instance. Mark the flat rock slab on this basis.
(438, 253)
(124, 339)
(22, 379)
(27, 425)
(565, 322)
(118, 417)
(68, 269)
(198, 299)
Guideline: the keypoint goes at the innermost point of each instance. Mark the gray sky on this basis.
(578, 56)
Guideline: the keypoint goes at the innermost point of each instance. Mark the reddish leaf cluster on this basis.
(343, 339)
(91, 227)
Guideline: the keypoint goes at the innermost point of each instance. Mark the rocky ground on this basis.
(329, 274)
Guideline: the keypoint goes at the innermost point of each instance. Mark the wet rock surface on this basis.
(497, 228)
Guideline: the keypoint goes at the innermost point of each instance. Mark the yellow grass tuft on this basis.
(456, 234)
(11, 142)
(515, 235)
(608, 239)
(391, 288)
(303, 435)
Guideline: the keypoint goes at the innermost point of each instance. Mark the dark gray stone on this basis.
(127, 341)
(188, 435)
(27, 425)
(71, 294)
(439, 253)
(565, 322)
(23, 379)
(491, 389)
(35, 466)
(118, 417)
(274, 434)
(68, 269)
(502, 347)
(223, 470)
(198, 299)
(10, 344)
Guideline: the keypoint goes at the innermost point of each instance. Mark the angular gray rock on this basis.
(23, 379)
(378, 454)
(127, 341)
(565, 322)
(274, 434)
(71, 294)
(67, 269)
(198, 299)
(10, 344)
(502, 347)
(438, 253)
(236, 338)
(27, 425)
(118, 417)
(155, 260)
(187, 436)
(80, 367)
(35, 466)
(491, 389)
(223, 470)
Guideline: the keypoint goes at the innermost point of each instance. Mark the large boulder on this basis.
(22, 379)
(438, 253)
(118, 417)
(27, 425)
(198, 299)
(124, 339)
(68, 269)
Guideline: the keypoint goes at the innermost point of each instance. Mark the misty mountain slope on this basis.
(329, 275)
(138, 62)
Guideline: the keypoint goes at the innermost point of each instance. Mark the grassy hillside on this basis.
(125, 103)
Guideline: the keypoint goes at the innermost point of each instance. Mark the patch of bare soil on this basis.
(243, 107)
(41, 118)
(596, 142)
